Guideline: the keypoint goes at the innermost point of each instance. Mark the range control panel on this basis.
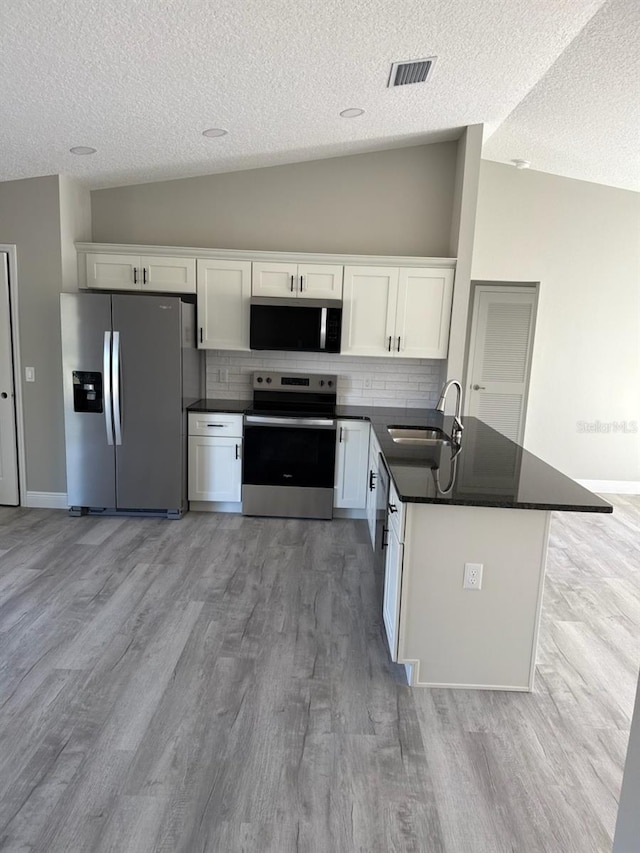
(300, 382)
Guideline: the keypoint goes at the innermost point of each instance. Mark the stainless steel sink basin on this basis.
(419, 436)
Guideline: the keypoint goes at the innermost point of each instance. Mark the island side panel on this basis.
(466, 638)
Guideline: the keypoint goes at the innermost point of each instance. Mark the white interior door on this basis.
(500, 357)
(9, 493)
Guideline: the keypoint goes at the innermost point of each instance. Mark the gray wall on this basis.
(30, 218)
(389, 202)
(581, 242)
(43, 217)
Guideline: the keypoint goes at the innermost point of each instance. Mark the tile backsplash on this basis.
(410, 383)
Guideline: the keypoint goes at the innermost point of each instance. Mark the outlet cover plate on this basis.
(472, 576)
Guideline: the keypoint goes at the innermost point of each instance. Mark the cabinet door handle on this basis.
(340, 439)
(144, 275)
(237, 451)
(389, 344)
(372, 478)
(383, 543)
(201, 336)
(393, 508)
(135, 275)
(398, 343)
(301, 282)
(478, 388)
(292, 277)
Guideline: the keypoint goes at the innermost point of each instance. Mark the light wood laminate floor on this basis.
(221, 684)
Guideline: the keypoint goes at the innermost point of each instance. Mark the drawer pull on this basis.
(393, 508)
(217, 426)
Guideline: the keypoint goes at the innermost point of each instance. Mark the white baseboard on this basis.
(46, 500)
(612, 487)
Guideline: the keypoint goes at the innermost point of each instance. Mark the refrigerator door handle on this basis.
(115, 384)
(106, 371)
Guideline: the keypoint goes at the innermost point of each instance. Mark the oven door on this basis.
(288, 466)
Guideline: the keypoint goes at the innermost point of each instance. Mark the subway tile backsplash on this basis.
(409, 383)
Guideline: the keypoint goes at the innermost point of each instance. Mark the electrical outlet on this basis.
(224, 374)
(366, 382)
(472, 576)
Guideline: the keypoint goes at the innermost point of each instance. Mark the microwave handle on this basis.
(323, 328)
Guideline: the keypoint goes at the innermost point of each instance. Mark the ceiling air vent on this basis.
(415, 71)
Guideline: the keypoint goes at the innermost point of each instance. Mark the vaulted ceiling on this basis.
(555, 82)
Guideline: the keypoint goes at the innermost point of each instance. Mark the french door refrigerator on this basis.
(130, 368)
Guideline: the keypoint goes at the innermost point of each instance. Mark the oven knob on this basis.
(321, 382)
(259, 379)
(268, 380)
(330, 383)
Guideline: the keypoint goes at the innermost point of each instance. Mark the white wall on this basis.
(582, 242)
(406, 383)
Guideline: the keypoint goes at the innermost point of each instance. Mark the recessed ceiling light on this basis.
(521, 164)
(352, 112)
(213, 132)
(82, 149)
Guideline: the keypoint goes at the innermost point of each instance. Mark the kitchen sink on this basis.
(426, 436)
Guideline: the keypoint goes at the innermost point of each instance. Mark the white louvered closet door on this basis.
(501, 342)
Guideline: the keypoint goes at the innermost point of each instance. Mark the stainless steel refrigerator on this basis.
(130, 368)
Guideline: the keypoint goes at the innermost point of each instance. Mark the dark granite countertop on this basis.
(233, 407)
(489, 470)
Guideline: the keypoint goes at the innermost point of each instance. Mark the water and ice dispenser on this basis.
(87, 391)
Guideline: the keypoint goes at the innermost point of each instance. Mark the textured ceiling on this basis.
(141, 79)
(582, 120)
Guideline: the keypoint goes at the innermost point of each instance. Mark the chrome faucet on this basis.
(456, 432)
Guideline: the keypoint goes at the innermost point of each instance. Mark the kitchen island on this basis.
(480, 511)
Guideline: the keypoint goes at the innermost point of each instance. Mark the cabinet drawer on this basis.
(215, 424)
(396, 512)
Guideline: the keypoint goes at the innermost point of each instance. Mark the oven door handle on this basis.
(315, 423)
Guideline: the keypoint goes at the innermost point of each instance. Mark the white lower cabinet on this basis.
(215, 457)
(392, 588)
(372, 479)
(215, 469)
(352, 453)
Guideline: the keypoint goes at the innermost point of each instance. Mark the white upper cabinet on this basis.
(273, 279)
(352, 456)
(168, 275)
(224, 292)
(396, 311)
(320, 281)
(423, 314)
(303, 281)
(114, 272)
(368, 310)
(137, 272)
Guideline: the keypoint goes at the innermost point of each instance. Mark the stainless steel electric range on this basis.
(290, 446)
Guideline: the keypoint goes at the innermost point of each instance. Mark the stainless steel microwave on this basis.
(303, 325)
